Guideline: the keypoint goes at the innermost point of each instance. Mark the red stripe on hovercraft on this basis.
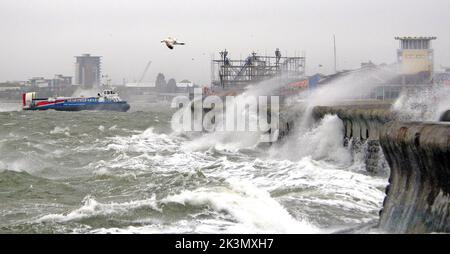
(46, 103)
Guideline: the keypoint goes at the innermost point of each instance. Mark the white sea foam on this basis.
(61, 130)
(148, 150)
(30, 162)
(240, 208)
(252, 209)
(323, 181)
(91, 207)
(250, 206)
(323, 164)
(3, 167)
(147, 141)
(154, 228)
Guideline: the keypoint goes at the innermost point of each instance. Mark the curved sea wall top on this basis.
(418, 195)
(360, 121)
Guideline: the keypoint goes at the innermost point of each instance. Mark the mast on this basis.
(334, 46)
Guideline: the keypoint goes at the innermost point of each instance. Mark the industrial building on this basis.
(87, 71)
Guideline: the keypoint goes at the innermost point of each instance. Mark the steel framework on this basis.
(228, 73)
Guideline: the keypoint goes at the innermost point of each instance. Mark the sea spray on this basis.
(250, 206)
(426, 103)
(347, 86)
(84, 92)
(322, 141)
(353, 85)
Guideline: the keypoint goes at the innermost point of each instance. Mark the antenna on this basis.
(212, 55)
(334, 45)
(304, 62)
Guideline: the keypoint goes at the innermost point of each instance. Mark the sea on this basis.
(129, 172)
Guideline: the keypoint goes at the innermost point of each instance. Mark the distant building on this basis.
(40, 82)
(61, 80)
(87, 71)
(415, 57)
(10, 86)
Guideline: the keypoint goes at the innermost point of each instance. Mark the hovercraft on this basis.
(107, 100)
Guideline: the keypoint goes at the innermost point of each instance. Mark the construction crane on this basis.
(145, 71)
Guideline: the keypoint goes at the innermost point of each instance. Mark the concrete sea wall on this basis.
(445, 117)
(418, 195)
(361, 122)
(361, 125)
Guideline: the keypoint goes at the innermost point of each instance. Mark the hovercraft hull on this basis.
(77, 104)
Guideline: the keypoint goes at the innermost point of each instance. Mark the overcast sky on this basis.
(41, 37)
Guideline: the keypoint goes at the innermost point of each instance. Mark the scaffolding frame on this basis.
(228, 73)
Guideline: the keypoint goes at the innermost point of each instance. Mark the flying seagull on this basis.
(171, 42)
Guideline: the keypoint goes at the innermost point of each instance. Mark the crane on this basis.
(145, 71)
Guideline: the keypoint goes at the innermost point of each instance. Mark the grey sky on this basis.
(40, 37)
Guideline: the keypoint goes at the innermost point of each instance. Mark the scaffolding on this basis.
(227, 73)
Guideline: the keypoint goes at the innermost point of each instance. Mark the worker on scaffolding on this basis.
(277, 55)
(248, 61)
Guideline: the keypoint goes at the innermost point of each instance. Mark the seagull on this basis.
(171, 42)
